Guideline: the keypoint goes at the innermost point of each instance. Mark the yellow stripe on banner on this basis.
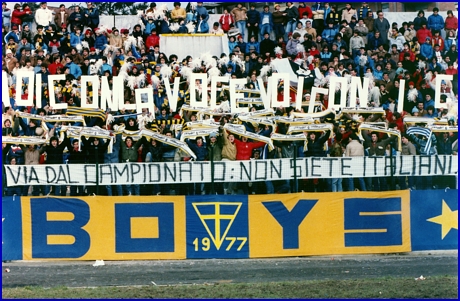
(26, 228)
(60, 239)
(366, 231)
(59, 216)
(379, 213)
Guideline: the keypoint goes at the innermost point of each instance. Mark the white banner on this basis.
(230, 171)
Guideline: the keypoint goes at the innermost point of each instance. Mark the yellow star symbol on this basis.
(448, 219)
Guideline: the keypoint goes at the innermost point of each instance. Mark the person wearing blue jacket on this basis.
(426, 50)
(74, 69)
(100, 41)
(75, 38)
(329, 33)
(435, 21)
(201, 15)
(14, 33)
(266, 21)
(105, 66)
(149, 25)
(91, 14)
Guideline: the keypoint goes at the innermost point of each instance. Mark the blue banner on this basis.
(434, 219)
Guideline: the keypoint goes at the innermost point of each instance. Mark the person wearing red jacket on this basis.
(244, 148)
(405, 50)
(423, 33)
(152, 40)
(451, 23)
(17, 14)
(56, 64)
(305, 9)
(225, 20)
(437, 40)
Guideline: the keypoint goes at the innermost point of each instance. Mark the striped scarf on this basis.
(426, 132)
(86, 112)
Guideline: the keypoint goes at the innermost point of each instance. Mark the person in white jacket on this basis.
(43, 16)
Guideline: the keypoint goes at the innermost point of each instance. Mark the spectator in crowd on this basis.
(62, 16)
(202, 19)
(76, 19)
(292, 17)
(435, 21)
(355, 148)
(54, 155)
(17, 15)
(382, 25)
(419, 20)
(318, 17)
(43, 16)
(178, 13)
(6, 16)
(239, 14)
(348, 12)
(225, 20)
(451, 24)
(91, 14)
(253, 21)
(279, 19)
(266, 21)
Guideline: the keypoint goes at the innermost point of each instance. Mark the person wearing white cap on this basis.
(10, 60)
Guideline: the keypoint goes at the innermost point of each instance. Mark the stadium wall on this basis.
(224, 226)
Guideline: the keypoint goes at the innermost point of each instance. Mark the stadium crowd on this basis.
(319, 40)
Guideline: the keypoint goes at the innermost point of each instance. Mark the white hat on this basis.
(8, 51)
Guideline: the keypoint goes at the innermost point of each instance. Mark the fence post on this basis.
(296, 188)
(97, 171)
(212, 169)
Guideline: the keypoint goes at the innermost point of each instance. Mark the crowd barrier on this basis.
(236, 226)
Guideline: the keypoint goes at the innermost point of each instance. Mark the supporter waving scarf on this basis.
(95, 131)
(240, 130)
(255, 121)
(378, 129)
(298, 137)
(424, 132)
(169, 141)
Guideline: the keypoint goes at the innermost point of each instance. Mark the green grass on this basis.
(445, 287)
